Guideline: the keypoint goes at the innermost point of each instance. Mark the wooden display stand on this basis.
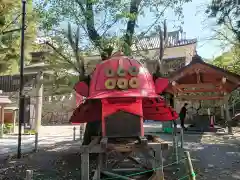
(118, 156)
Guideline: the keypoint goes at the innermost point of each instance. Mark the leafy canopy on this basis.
(10, 24)
(229, 60)
(102, 22)
(226, 13)
(79, 28)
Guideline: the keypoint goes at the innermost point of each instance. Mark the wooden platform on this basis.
(120, 155)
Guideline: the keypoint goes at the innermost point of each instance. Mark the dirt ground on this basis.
(61, 162)
(214, 158)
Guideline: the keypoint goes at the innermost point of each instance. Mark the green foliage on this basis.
(65, 61)
(99, 18)
(29, 131)
(60, 83)
(79, 28)
(10, 19)
(229, 60)
(224, 61)
(226, 13)
(8, 127)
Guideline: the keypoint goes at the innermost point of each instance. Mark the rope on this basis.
(147, 171)
(192, 174)
(183, 177)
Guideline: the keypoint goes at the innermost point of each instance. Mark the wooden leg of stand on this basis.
(85, 166)
(159, 163)
(97, 174)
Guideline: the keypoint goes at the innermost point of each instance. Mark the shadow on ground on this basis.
(213, 157)
(62, 162)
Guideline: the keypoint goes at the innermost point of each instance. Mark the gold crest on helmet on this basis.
(133, 71)
(121, 72)
(134, 82)
(110, 83)
(122, 83)
(109, 72)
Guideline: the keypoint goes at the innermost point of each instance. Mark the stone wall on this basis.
(56, 109)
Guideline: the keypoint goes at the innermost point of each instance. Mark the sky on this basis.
(195, 25)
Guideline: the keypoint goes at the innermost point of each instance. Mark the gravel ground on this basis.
(61, 162)
(217, 158)
(214, 158)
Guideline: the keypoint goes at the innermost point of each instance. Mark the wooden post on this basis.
(29, 175)
(233, 106)
(2, 122)
(222, 109)
(85, 166)
(181, 134)
(74, 133)
(227, 117)
(38, 106)
(191, 173)
(14, 120)
(175, 141)
(81, 131)
(159, 163)
(97, 175)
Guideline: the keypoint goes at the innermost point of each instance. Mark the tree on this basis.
(227, 14)
(229, 60)
(65, 60)
(96, 20)
(10, 24)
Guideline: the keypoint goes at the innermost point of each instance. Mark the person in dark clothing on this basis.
(182, 115)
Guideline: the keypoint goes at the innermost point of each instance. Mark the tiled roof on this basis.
(10, 83)
(147, 42)
(5, 100)
(154, 43)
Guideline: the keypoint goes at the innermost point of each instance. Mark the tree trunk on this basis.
(94, 128)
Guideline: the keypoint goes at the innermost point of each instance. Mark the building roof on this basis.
(154, 43)
(4, 100)
(11, 83)
(175, 38)
(198, 60)
(198, 70)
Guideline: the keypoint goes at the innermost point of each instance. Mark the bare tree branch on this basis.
(163, 45)
(105, 50)
(132, 22)
(63, 56)
(75, 47)
(155, 22)
(81, 6)
(109, 26)
(225, 37)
